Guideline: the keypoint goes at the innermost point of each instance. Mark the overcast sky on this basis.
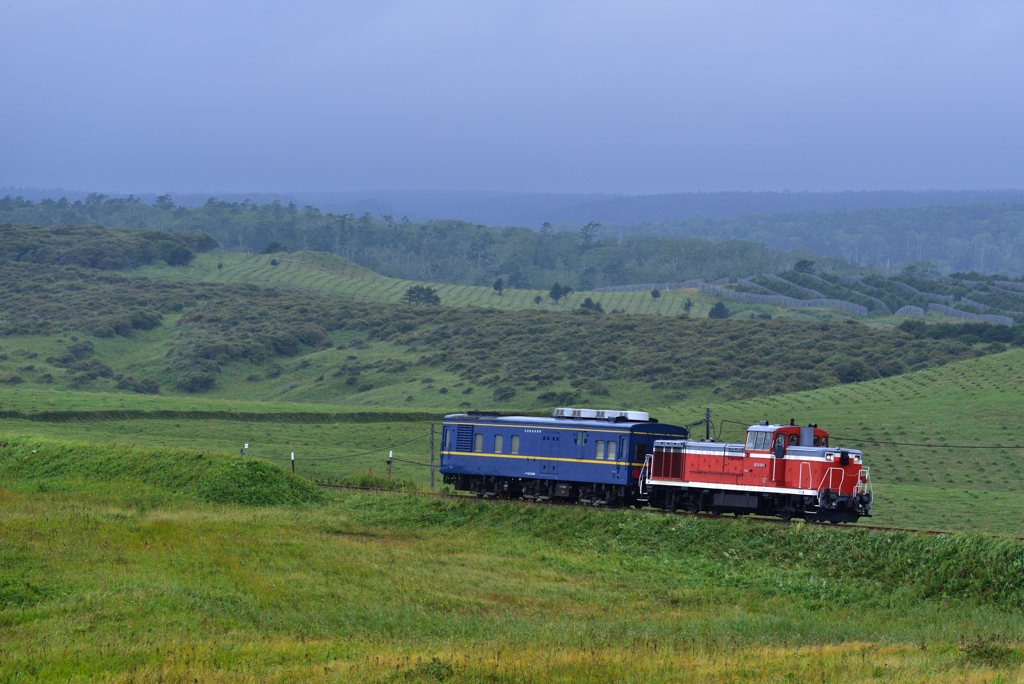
(633, 97)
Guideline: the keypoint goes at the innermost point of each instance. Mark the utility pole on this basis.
(707, 425)
(431, 457)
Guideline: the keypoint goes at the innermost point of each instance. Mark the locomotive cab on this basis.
(776, 439)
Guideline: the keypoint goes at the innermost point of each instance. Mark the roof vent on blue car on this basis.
(595, 414)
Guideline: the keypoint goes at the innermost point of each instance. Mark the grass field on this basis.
(118, 565)
(317, 271)
(971, 403)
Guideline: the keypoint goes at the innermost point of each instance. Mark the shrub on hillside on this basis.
(222, 324)
(504, 393)
(718, 311)
(197, 381)
(853, 371)
(100, 248)
(421, 295)
(144, 320)
(143, 386)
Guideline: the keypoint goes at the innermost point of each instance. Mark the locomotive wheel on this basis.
(714, 511)
(786, 515)
(693, 508)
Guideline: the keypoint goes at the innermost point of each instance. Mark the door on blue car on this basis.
(549, 450)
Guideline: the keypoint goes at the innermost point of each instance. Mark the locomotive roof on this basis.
(775, 426)
(583, 423)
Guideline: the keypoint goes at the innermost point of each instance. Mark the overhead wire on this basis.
(913, 444)
(426, 465)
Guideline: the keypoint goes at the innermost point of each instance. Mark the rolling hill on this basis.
(971, 403)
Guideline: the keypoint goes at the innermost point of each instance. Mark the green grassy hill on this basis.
(321, 272)
(972, 403)
(251, 364)
(88, 329)
(117, 566)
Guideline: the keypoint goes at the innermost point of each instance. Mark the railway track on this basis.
(650, 511)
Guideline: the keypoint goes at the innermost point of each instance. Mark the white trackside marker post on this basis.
(390, 456)
(293, 462)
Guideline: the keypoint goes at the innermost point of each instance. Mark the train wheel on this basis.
(694, 508)
(786, 515)
(714, 511)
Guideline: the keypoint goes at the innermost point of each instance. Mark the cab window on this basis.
(478, 442)
(498, 443)
(794, 440)
(751, 440)
(515, 444)
(824, 441)
(817, 440)
(764, 441)
(780, 441)
(599, 451)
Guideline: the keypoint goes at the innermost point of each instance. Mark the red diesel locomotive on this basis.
(782, 470)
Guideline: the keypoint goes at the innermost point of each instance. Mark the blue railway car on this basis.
(583, 455)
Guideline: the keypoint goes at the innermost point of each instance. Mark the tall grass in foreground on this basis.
(116, 566)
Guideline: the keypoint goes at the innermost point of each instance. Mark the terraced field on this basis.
(327, 273)
(318, 271)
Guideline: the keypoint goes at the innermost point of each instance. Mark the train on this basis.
(627, 458)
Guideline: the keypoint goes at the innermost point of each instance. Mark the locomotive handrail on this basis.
(643, 473)
(865, 479)
(829, 474)
(800, 483)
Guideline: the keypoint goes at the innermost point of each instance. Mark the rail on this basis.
(645, 511)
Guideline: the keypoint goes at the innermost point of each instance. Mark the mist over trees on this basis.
(987, 238)
(434, 251)
(981, 237)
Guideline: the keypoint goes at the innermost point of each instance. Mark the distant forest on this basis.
(435, 251)
(987, 238)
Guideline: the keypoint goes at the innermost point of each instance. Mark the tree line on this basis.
(984, 237)
(444, 251)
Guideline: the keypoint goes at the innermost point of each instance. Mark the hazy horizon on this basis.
(555, 97)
